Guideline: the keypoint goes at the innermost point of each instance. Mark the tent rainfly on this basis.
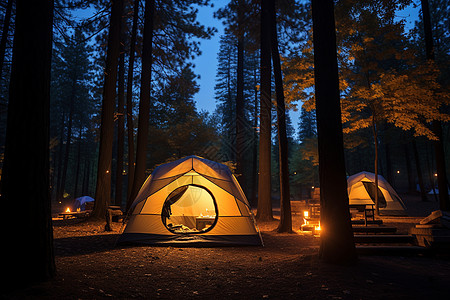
(191, 200)
(81, 202)
(361, 190)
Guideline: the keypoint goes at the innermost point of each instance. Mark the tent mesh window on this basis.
(189, 209)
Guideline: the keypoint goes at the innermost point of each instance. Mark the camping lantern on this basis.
(306, 214)
(68, 210)
(317, 229)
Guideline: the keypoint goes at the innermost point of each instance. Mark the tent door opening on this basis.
(189, 209)
(370, 188)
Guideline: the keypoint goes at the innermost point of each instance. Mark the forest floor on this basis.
(90, 266)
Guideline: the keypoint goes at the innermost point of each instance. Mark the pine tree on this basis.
(103, 187)
(264, 186)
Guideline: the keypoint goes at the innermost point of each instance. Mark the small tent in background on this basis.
(361, 190)
(191, 200)
(81, 203)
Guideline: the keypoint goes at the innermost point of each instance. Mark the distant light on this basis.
(107, 171)
(295, 173)
(306, 213)
(312, 187)
(398, 171)
(435, 174)
(68, 210)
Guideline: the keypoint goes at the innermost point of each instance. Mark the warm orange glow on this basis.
(317, 229)
(306, 213)
(68, 209)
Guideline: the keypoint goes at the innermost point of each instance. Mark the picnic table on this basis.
(366, 208)
(75, 214)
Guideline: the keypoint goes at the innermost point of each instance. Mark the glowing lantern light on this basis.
(68, 210)
(317, 229)
(306, 213)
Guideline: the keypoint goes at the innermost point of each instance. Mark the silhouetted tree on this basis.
(129, 100)
(144, 102)
(337, 245)
(26, 165)
(6, 22)
(103, 187)
(285, 197)
(264, 212)
(444, 200)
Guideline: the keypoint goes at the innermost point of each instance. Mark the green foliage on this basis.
(177, 129)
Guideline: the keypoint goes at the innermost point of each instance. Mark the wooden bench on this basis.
(74, 214)
(112, 211)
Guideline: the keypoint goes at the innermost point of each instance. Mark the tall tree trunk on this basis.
(255, 144)
(240, 116)
(120, 121)
(78, 164)
(423, 193)
(144, 102)
(29, 256)
(375, 143)
(444, 200)
(5, 31)
(390, 177)
(60, 156)
(337, 244)
(285, 196)
(68, 139)
(130, 127)
(264, 212)
(409, 170)
(103, 186)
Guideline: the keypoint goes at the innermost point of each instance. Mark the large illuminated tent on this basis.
(191, 200)
(361, 190)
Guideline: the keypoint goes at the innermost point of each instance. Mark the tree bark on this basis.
(264, 212)
(78, 164)
(60, 156)
(423, 193)
(68, 138)
(144, 102)
(240, 116)
(444, 200)
(103, 186)
(28, 256)
(375, 143)
(337, 244)
(120, 120)
(129, 99)
(255, 145)
(5, 32)
(285, 196)
(411, 181)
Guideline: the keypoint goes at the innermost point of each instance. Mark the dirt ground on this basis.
(90, 266)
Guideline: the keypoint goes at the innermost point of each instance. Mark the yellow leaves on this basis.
(367, 39)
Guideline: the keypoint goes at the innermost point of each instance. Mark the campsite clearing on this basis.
(89, 266)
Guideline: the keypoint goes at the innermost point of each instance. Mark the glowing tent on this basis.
(361, 190)
(191, 200)
(81, 202)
